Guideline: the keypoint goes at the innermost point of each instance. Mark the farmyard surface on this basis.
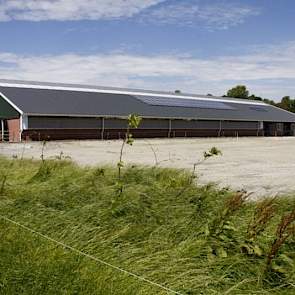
(265, 166)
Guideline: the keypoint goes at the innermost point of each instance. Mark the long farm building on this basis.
(54, 111)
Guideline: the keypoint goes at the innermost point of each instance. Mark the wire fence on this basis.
(98, 260)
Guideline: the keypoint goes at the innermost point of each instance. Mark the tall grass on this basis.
(148, 230)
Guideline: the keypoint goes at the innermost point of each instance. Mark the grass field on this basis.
(193, 239)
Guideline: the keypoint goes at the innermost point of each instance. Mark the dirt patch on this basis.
(265, 166)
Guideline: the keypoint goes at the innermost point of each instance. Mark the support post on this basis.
(170, 127)
(219, 131)
(2, 130)
(102, 128)
(20, 129)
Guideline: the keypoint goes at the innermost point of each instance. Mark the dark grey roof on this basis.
(95, 87)
(86, 103)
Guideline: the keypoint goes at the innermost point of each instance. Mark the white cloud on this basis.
(38, 10)
(219, 15)
(268, 71)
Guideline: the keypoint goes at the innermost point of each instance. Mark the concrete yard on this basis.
(265, 166)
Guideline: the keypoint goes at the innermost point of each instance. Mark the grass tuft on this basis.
(204, 241)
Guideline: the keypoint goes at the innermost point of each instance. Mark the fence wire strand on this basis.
(77, 251)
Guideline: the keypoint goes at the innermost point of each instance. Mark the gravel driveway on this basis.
(265, 166)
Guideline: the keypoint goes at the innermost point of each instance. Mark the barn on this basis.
(38, 111)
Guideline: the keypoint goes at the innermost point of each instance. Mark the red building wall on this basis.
(14, 130)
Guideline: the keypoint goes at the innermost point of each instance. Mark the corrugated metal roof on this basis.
(67, 102)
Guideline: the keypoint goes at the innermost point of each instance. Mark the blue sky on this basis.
(198, 46)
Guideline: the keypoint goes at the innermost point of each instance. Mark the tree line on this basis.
(240, 91)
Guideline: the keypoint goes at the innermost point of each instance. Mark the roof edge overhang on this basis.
(153, 117)
(11, 103)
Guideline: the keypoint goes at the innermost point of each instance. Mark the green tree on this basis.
(239, 91)
(254, 97)
(287, 103)
(269, 101)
